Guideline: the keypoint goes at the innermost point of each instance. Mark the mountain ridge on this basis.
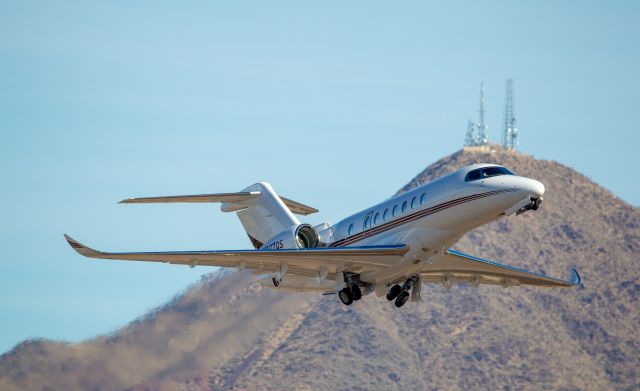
(227, 332)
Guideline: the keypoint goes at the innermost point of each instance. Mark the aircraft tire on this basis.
(356, 293)
(535, 204)
(345, 296)
(402, 298)
(394, 292)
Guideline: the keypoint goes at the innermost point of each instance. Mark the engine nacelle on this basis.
(301, 236)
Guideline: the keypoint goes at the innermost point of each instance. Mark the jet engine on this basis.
(301, 236)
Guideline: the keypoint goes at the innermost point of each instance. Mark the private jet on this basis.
(389, 249)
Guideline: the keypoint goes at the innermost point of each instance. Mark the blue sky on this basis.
(337, 105)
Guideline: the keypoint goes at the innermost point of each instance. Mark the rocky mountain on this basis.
(226, 332)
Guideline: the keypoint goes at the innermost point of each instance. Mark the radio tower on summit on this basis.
(510, 132)
(483, 129)
(477, 133)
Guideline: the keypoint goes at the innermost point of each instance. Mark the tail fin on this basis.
(263, 217)
(261, 211)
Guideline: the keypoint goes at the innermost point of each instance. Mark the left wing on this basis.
(303, 262)
(456, 266)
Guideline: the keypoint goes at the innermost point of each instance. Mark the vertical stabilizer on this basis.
(263, 217)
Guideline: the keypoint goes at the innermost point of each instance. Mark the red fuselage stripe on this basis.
(412, 217)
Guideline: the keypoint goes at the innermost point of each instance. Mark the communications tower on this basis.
(471, 138)
(477, 133)
(483, 129)
(510, 132)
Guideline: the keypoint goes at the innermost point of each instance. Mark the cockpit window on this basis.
(473, 175)
(486, 172)
(495, 171)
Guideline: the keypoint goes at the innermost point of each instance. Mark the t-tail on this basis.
(263, 213)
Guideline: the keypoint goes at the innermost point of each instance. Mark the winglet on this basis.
(575, 277)
(80, 248)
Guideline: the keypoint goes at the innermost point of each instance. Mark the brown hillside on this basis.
(226, 332)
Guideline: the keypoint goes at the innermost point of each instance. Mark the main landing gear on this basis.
(353, 290)
(401, 293)
(350, 294)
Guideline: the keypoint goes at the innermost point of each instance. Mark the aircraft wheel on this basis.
(394, 292)
(402, 298)
(536, 204)
(345, 296)
(356, 292)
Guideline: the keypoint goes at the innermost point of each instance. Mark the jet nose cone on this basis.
(536, 188)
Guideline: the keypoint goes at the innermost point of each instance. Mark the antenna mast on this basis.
(510, 133)
(470, 140)
(483, 134)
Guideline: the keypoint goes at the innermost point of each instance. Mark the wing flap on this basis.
(299, 261)
(461, 267)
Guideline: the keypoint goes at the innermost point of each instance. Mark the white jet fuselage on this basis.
(433, 216)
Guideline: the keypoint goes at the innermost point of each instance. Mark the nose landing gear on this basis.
(535, 203)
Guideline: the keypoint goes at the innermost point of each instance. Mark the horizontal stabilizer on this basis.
(240, 197)
(237, 199)
(298, 208)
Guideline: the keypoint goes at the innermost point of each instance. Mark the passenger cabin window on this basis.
(487, 172)
(350, 230)
(375, 218)
(385, 215)
(367, 222)
(395, 210)
(414, 202)
(423, 198)
(404, 206)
